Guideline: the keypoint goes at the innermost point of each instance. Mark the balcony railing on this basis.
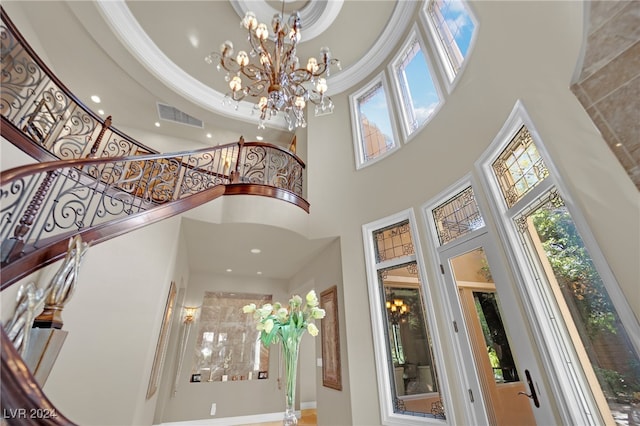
(102, 175)
(40, 106)
(43, 204)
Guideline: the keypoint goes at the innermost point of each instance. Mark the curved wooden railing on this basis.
(41, 107)
(44, 204)
(96, 182)
(83, 194)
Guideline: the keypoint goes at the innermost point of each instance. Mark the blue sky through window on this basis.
(424, 95)
(459, 22)
(376, 110)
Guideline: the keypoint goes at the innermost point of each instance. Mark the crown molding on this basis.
(385, 45)
(119, 18)
(124, 25)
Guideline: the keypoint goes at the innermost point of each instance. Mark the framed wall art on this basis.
(163, 340)
(330, 332)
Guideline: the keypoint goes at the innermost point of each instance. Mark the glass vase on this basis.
(291, 349)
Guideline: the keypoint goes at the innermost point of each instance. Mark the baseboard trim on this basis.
(242, 420)
(308, 405)
(232, 421)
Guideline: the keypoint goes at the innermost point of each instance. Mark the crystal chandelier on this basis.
(276, 77)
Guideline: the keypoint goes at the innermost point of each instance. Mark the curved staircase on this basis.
(96, 182)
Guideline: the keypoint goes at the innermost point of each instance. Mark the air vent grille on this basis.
(169, 113)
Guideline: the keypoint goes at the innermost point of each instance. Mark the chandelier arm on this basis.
(278, 79)
(269, 69)
(255, 89)
(302, 75)
(255, 43)
(226, 62)
(253, 72)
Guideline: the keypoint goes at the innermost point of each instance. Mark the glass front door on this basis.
(500, 351)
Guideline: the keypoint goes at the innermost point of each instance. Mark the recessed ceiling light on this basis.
(95, 98)
(259, 138)
(259, 272)
(229, 270)
(101, 111)
(193, 39)
(255, 250)
(157, 124)
(209, 135)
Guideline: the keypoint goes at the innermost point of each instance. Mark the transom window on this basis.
(457, 216)
(519, 168)
(393, 242)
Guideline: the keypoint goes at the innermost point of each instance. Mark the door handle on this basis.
(533, 395)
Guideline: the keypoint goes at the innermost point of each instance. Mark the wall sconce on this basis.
(190, 313)
(188, 317)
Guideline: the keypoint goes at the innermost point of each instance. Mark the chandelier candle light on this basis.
(277, 323)
(277, 78)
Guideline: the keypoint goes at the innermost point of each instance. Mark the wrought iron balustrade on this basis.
(48, 202)
(102, 184)
(42, 108)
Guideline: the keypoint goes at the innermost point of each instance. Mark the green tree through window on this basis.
(606, 342)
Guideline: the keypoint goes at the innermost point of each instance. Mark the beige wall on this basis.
(527, 51)
(102, 373)
(333, 406)
(241, 398)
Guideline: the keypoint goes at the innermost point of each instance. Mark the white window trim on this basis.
(567, 381)
(475, 412)
(407, 136)
(358, 141)
(447, 76)
(387, 414)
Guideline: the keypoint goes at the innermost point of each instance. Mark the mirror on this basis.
(228, 346)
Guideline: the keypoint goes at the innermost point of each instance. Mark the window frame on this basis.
(358, 139)
(448, 77)
(414, 34)
(387, 413)
(576, 406)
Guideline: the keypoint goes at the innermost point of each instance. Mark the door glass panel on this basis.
(601, 341)
(492, 353)
(412, 368)
(495, 337)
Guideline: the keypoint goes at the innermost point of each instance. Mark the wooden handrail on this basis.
(22, 399)
(22, 254)
(59, 84)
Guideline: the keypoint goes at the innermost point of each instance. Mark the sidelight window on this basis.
(405, 357)
(576, 303)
